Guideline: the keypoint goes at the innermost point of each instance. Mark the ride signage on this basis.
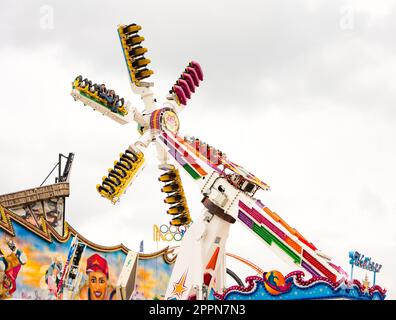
(359, 260)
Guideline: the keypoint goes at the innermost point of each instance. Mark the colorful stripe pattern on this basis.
(182, 156)
(283, 223)
(196, 151)
(314, 262)
(215, 159)
(155, 119)
(272, 234)
(317, 287)
(268, 231)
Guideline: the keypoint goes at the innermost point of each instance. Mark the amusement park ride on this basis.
(43, 257)
(227, 189)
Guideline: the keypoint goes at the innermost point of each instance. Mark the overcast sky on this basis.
(300, 93)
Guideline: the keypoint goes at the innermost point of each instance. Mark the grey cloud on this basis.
(247, 50)
(287, 94)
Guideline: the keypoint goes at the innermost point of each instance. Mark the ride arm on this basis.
(285, 241)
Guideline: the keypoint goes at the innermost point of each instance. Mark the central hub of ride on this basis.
(165, 119)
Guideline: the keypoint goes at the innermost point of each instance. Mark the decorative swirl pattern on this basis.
(343, 287)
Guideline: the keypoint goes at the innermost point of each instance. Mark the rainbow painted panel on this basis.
(261, 219)
(221, 161)
(268, 237)
(309, 258)
(272, 234)
(183, 157)
(263, 232)
(189, 159)
(177, 156)
(198, 154)
(307, 267)
(285, 225)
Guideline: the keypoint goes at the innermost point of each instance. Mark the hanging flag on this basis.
(141, 249)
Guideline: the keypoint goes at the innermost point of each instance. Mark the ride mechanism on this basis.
(228, 189)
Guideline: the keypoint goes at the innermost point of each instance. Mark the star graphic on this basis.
(96, 262)
(179, 287)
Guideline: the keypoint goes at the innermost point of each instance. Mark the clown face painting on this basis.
(97, 286)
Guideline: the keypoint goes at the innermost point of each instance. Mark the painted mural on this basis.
(32, 264)
(51, 211)
(38, 269)
(44, 258)
(153, 276)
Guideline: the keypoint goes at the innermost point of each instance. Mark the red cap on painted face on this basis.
(96, 263)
